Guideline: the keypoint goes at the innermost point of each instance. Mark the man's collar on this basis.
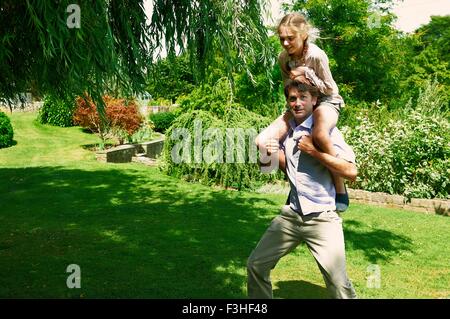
(308, 123)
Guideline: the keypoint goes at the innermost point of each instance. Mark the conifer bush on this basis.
(197, 148)
(57, 111)
(6, 131)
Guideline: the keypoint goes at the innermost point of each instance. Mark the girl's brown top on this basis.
(318, 72)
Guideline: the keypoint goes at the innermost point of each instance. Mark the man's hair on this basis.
(300, 87)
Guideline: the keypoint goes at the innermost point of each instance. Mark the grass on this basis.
(136, 233)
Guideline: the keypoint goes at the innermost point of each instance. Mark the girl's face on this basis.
(291, 41)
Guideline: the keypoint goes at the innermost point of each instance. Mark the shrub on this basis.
(6, 131)
(160, 102)
(86, 116)
(260, 96)
(122, 118)
(162, 120)
(144, 134)
(407, 154)
(214, 98)
(209, 161)
(57, 111)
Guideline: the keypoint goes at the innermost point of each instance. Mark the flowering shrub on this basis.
(408, 155)
(122, 118)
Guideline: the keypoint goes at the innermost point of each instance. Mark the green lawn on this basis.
(137, 233)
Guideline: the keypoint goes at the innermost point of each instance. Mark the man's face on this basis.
(300, 104)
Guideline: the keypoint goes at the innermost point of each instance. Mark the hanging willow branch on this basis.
(114, 47)
(235, 28)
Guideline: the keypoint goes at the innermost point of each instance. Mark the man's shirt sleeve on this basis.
(343, 150)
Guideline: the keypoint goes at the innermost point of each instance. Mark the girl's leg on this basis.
(325, 119)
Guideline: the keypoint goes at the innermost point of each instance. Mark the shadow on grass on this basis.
(376, 244)
(299, 289)
(86, 130)
(133, 235)
(138, 234)
(13, 143)
(96, 147)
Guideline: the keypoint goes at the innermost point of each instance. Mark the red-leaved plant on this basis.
(122, 117)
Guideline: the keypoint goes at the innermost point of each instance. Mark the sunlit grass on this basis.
(137, 233)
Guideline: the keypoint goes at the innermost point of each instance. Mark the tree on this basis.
(171, 77)
(429, 58)
(362, 45)
(111, 48)
(436, 34)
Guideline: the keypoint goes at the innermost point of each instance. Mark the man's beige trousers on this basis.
(323, 235)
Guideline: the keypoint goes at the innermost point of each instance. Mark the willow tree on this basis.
(62, 48)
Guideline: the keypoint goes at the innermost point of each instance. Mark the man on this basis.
(311, 214)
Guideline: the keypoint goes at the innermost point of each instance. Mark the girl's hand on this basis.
(302, 79)
(298, 71)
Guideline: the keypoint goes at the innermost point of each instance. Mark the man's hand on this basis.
(270, 158)
(337, 165)
(305, 144)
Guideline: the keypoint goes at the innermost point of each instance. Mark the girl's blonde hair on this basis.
(300, 25)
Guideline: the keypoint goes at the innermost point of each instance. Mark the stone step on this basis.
(144, 160)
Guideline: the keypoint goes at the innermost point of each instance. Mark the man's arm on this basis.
(282, 160)
(272, 147)
(278, 130)
(336, 165)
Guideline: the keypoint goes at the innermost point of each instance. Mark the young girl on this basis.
(305, 62)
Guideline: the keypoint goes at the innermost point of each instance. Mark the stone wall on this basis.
(22, 107)
(154, 148)
(429, 206)
(126, 153)
(119, 154)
